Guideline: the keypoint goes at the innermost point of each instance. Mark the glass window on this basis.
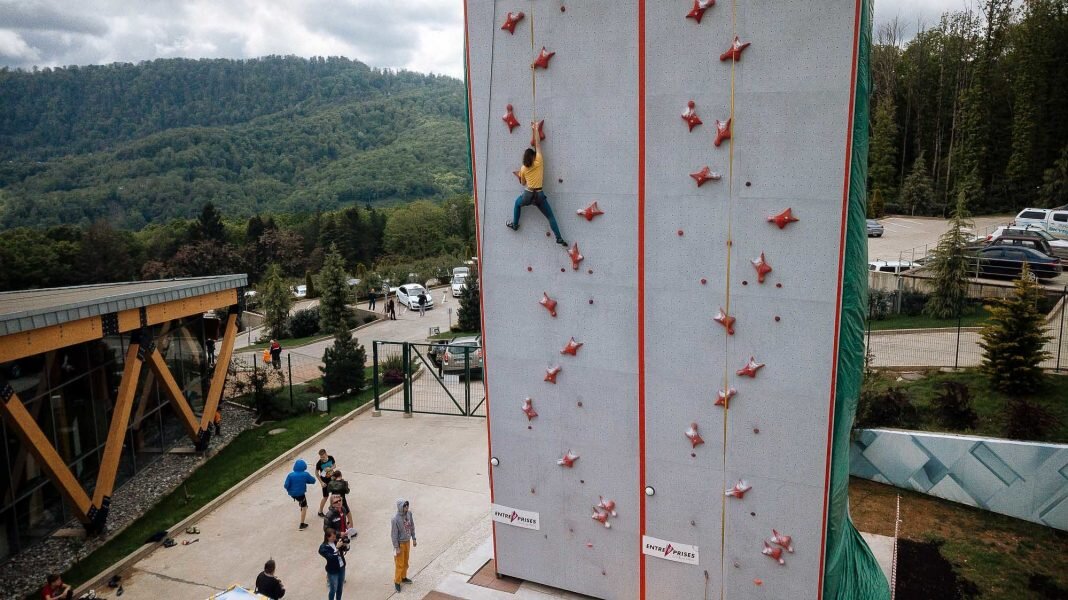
(1060, 217)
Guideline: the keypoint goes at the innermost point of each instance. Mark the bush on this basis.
(1028, 420)
(889, 408)
(912, 303)
(953, 407)
(1014, 340)
(391, 369)
(303, 323)
(343, 365)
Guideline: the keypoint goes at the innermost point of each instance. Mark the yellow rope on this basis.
(533, 78)
(726, 359)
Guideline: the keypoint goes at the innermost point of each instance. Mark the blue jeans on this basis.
(335, 583)
(539, 200)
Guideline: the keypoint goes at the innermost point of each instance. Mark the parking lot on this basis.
(909, 238)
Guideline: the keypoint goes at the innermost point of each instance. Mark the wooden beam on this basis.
(37, 443)
(120, 419)
(170, 387)
(218, 378)
(37, 341)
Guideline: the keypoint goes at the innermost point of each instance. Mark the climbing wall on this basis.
(661, 390)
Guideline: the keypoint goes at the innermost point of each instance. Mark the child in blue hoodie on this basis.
(297, 484)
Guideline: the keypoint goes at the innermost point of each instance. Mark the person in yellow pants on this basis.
(402, 530)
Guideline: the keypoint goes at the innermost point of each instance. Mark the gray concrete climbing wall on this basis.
(658, 265)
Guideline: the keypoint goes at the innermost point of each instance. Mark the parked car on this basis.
(890, 266)
(1057, 247)
(453, 361)
(301, 291)
(458, 284)
(1008, 261)
(1053, 220)
(408, 295)
(1031, 216)
(875, 229)
(437, 350)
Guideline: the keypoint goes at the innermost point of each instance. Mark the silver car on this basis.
(408, 295)
(875, 229)
(453, 361)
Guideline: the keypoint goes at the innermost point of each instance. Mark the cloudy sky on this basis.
(419, 35)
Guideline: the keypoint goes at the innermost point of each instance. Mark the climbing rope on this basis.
(489, 112)
(533, 71)
(726, 359)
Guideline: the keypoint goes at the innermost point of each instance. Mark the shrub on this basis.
(391, 369)
(343, 365)
(303, 323)
(912, 303)
(953, 406)
(1028, 420)
(889, 408)
(1014, 340)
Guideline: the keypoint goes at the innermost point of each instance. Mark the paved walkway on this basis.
(383, 458)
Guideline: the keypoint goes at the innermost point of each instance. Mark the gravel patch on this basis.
(24, 573)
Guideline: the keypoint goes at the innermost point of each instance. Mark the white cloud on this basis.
(15, 49)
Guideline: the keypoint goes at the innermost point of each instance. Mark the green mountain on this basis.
(137, 144)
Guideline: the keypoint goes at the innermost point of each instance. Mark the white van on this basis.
(1053, 220)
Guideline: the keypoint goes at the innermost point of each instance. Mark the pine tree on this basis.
(333, 303)
(882, 157)
(1054, 190)
(1014, 342)
(343, 365)
(470, 314)
(950, 266)
(276, 301)
(209, 226)
(917, 193)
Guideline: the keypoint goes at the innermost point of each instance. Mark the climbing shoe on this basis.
(512, 226)
(561, 241)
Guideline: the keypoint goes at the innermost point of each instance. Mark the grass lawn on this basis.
(989, 404)
(290, 343)
(248, 452)
(974, 319)
(1002, 556)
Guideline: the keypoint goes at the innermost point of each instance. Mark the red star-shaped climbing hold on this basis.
(576, 256)
(725, 320)
(548, 303)
(705, 175)
(690, 115)
(541, 132)
(542, 61)
(509, 119)
(723, 397)
(787, 542)
(551, 373)
(699, 8)
(762, 267)
(723, 131)
(693, 436)
(735, 52)
(738, 490)
(511, 21)
(590, 211)
(528, 409)
(775, 553)
(784, 218)
(572, 347)
(568, 459)
(750, 369)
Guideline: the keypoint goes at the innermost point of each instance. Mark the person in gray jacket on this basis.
(402, 531)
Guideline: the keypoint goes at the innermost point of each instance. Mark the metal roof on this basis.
(27, 310)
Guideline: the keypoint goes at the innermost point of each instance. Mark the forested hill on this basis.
(136, 144)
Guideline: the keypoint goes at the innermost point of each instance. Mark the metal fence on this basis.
(248, 369)
(428, 378)
(954, 346)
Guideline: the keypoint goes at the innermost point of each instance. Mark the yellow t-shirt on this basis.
(534, 174)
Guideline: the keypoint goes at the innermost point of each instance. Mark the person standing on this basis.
(55, 589)
(337, 517)
(323, 468)
(422, 303)
(392, 310)
(402, 531)
(276, 354)
(296, 485)
(209, 345)
(371, 301)
(334, 554)
(269, 585)
(339, 486)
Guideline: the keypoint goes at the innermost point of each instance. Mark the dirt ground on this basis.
(1004, 558)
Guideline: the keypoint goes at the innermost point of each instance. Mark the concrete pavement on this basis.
(438, 463)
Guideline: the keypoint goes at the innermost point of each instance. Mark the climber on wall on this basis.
(531, 175)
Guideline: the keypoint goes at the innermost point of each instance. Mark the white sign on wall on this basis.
(666, 550)
(516, 517)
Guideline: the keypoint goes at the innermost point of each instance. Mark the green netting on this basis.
(851, 572)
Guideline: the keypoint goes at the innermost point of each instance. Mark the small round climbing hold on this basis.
(756, 430)
(693, 455)
(582, 481)
(680, 232)
(758, 581)
(529, 427)
(548, 234)
(589, 271)
(580, 403)
(745, 282)
(563, 8)
(778, 285)
(752, 514)
(531, 490)
(591, 300)
(704, 281)
(529, 268)
(693, 523)
(777, 318)
(562, 270)
(749, 184)
(560, 180)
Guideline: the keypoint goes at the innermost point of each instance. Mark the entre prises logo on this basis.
(670, 550)
(516, 517)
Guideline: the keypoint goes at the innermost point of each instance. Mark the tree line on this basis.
(414, 241)
(975, 105)
(148, 143)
